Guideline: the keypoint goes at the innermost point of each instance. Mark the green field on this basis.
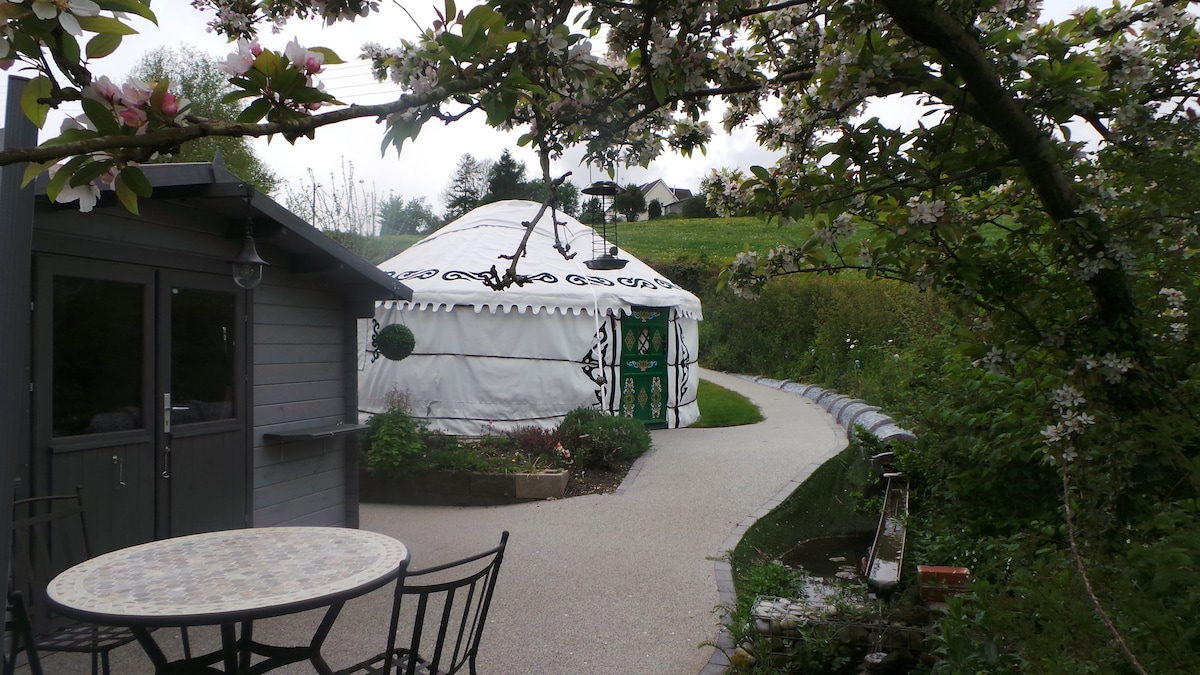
(663, 239)
(718, 238)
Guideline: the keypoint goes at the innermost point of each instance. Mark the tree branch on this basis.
(168, 138)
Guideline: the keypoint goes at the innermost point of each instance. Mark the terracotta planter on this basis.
(462, 488)
(936, 582)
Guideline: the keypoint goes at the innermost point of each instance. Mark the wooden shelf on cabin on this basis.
(311, 433)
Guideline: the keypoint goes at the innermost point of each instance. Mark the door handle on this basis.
(120, 470)
(166, 473)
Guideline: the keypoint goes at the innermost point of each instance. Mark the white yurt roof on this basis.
(447, 268)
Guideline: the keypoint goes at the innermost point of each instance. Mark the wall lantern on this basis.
(247, 265)
(604, 254)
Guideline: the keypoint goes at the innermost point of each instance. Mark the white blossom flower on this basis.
(304, 60)
(241, 61)
(66, 11)
(87, 194)
(1053, 433)
(1067, 397)
(925, 212)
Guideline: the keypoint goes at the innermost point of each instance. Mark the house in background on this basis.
(180, 401)
(670, 198)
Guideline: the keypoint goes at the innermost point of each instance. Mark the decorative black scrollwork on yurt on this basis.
(394, 341)
(414, 274)
(595, 359)
(636, 282)
(581, 280)
(460, 275)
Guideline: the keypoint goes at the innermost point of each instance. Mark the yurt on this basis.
(487, 361)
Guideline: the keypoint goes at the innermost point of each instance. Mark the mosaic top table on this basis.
(229, 578)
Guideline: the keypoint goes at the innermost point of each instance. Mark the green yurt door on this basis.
(644, 365)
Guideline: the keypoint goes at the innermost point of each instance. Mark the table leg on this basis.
(153, 651)
(319, 637)
(230, 648)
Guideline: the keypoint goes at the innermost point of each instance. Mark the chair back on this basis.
(446, 607)
(49, 534)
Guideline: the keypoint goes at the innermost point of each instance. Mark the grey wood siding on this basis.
(299, 382)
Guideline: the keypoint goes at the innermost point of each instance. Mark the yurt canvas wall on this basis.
(489, 361)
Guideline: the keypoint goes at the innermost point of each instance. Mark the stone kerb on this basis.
(839, 404)
(852, 411)
(890, 433)
(849, 412)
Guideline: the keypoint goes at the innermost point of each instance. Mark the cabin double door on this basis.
(139, 388)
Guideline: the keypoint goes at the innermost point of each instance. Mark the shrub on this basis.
(598, 440)
(536, 441)
(395, 440)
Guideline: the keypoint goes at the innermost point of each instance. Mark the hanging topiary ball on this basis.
(395, 341)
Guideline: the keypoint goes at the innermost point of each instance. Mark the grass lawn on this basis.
(662, 239)
(719, 238)
(720, 407)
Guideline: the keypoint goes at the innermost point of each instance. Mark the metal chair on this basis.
(453, 610)
(49, 534)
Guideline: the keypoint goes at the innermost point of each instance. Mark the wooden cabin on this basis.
(180, 401)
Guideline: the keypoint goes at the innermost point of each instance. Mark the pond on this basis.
(829, 564)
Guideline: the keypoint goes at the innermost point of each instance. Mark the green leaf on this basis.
(90, 172)
(102, 45)
(70, 47)
(235, 96)
(33, 170)
(762, 173)
(125, 194)
(331, 57)
(104, 24)
(139, 7)
(60, 178)
(136, 181)
(101, 116)
(453, 44)
(35, 89)
(255, 112)
(10, 10)
(660, 89)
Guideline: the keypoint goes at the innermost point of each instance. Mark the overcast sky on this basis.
(423, 168)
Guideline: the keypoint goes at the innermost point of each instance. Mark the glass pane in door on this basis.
(97, 356)
(202, 355)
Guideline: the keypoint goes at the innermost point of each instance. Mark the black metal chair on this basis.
(49, 534)
(446, 606)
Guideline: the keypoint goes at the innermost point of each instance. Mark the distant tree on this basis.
(397, 216)
(631, 203)
(567, 193)
(195, 77)
(467, 187)
(654, 209)
(339, 204)
(592, 212)
(697, 207)
(506, 180)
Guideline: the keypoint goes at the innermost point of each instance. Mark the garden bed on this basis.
(462, 488)
(472, 488)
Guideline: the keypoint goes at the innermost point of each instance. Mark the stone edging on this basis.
(847, 412)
